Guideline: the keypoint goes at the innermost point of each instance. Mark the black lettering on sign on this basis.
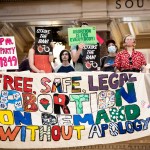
(43, 37)
(91, 57)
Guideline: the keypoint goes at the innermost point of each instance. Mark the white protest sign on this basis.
(8, 55)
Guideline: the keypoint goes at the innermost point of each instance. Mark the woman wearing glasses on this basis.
(130, 60)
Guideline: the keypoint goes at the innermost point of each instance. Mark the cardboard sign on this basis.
(91, 57)
(86, 35)
(43, 37)
(8, 55)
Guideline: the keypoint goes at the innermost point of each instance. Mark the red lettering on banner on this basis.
(18, 83)
(56, 133)
(11, 135)
(29, 102)
(27, 87)
(61, 100)
(8, 81)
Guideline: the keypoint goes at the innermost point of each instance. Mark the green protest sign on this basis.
(86, 35)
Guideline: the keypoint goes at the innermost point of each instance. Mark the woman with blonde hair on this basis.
(130, 60)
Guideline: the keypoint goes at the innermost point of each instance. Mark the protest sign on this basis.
(86, 35)
(91, 57)
(43, 37)
(72, 109)
(8, 54)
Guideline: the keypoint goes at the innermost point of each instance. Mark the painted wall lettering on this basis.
(129, 3)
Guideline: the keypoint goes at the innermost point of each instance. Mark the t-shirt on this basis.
(65, 69)
(107, 60)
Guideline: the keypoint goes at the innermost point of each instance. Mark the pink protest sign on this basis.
(8, 55)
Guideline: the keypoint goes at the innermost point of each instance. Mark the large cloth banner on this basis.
(72, 109)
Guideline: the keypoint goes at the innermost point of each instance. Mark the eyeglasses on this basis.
(130, 60)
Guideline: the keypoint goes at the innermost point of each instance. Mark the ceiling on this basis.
(137, 26)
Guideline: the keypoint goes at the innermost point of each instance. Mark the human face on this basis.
(65, 56)
(111, 48)
(130, 41)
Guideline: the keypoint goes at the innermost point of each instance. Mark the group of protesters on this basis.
(44, 63)
(127, 60)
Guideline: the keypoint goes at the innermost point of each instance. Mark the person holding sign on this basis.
(65, 58)
(77, 52)
(107, 62)
(77, 56)
(40, 63)
(130, 60)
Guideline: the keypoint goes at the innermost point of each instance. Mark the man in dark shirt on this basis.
(65, 58)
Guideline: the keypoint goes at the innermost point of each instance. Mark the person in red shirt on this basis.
(130, 60)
